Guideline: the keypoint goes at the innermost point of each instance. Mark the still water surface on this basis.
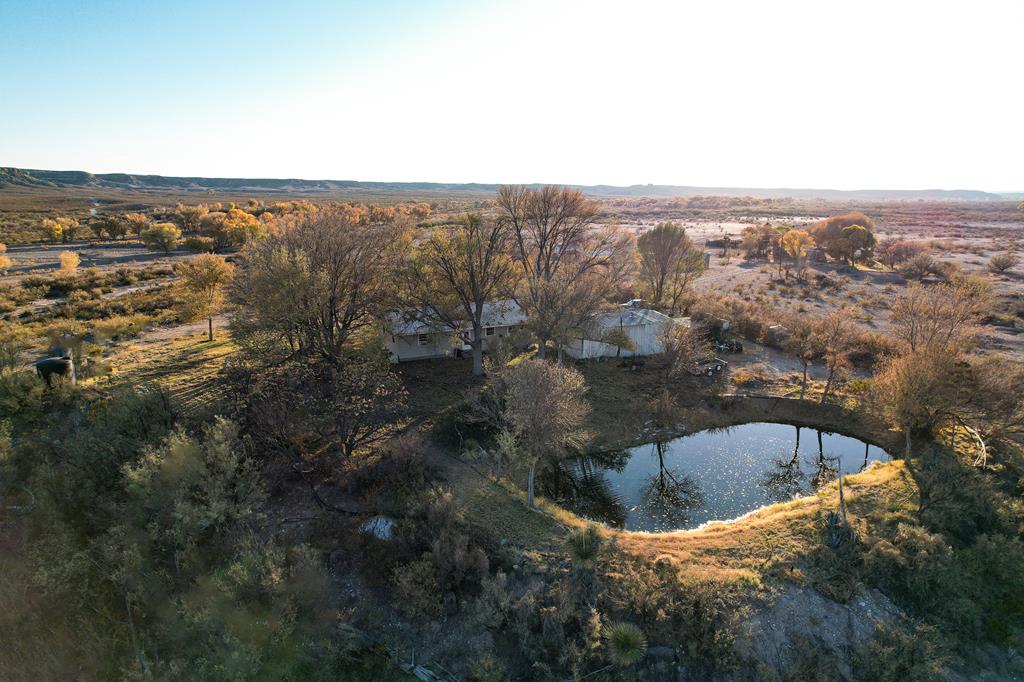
(709, 475)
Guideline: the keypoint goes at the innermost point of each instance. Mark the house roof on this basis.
(630, 317)
(623, 317)
(503, 313)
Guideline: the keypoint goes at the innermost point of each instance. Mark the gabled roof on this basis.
(630, 317)
(505, 313)
(601, 323)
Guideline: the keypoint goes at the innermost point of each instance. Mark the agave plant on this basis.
(626, 644)
(584, 545)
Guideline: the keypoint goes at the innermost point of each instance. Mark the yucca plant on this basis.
(626, 644)
(584, 545)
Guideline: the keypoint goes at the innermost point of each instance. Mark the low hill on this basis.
(22, 177)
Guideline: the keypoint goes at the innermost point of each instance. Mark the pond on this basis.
(718, 474)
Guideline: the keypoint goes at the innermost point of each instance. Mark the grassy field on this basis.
(179, 359)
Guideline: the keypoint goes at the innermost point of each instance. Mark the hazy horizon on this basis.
(791, 95)
(1002, 191)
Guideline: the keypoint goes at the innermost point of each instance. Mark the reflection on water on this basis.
(715, 474)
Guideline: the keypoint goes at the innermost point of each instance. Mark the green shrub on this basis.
(627, 644)
(896, 654)
(584, 545)
(416, 584)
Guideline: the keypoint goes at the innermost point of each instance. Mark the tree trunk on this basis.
(476, 344)
(842, 500)
(478, 357)
(210, 327)
(529, 485)
(906, 435)
(828, 384)
(803, 383)
(542, 349)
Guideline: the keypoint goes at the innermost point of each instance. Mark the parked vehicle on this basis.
(728, 346)
(709, 367)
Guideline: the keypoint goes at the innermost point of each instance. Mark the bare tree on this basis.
(835, 334)
(915, 391)
(803, 342)
(455, 272)
(683, 346)
(569, 268)
(893, 251)
(988, 405)
(942, 317)
(669, 262)
(319, 410)
(545, 409)
(317, 280)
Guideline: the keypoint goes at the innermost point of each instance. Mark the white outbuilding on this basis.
(642, 326)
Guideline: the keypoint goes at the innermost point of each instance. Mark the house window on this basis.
(423, 339)
(489, 331)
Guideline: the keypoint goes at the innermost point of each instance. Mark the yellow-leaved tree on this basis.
(161, 236)
(62, 228)
(69, 261)
(795, 244)
(202, 283)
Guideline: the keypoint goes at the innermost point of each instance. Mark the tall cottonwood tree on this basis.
(669, 262)
(569, 268)
(836, 236)
(318, 279)
(454, 272)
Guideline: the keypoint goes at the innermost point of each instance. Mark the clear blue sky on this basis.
(790, 93)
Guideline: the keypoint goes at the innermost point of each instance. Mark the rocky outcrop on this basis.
(802, 617)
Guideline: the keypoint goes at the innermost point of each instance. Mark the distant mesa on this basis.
(24, 177)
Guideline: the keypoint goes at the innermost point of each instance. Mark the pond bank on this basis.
(734, 409)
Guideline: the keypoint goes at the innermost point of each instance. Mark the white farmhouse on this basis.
(420, 336)
(644, 327)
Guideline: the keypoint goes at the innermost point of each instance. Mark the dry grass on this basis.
(777, 537)
(179, 359)
(501, 508)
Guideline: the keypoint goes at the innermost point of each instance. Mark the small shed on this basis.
(643, 327)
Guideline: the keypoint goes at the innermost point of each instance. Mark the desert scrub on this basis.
(755, 375)
(416, 585)
(120, 326)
